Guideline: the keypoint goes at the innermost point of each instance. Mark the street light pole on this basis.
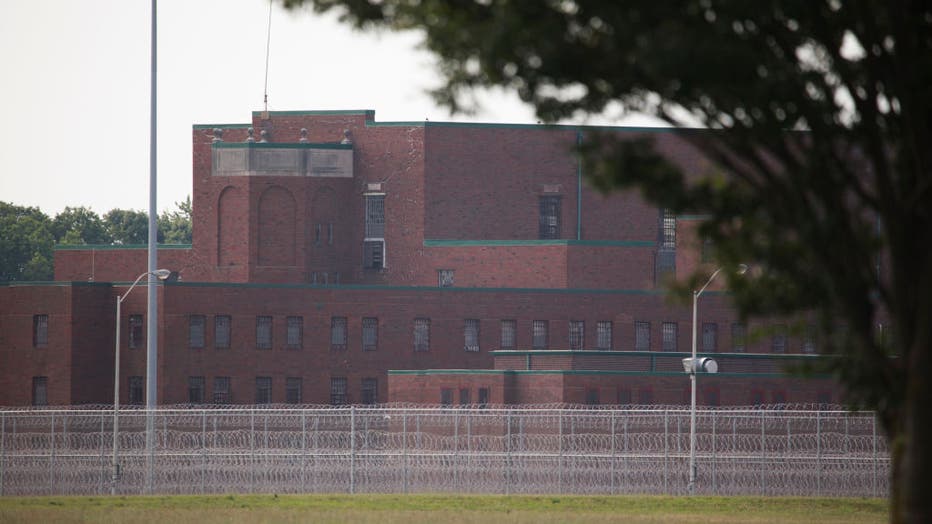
(693, 368)
(161, 274)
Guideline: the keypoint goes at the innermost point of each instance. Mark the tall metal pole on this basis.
(152, 308)
(691, 487)
(115, 475)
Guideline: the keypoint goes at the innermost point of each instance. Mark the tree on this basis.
(126, 226)
(25, 244)
(175, 226)
(819, 120)
(79, 225)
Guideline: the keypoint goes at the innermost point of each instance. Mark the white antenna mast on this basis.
(268, 41)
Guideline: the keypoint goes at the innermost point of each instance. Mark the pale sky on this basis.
(76, 89)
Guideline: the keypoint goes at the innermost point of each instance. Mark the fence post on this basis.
(763, 454)
(560, 459)
(873, 457)
(508, 454)
(52, 457)
(316, 449)
(3, 448)
(252, 446)
(303, 451)
(612, 468)
(714, 458)
(819, 452)
(203, 450)
(352, 476)
(404, 451)
(103, 464)
(666, 448)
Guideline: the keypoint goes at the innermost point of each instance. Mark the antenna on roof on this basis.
(268, 41)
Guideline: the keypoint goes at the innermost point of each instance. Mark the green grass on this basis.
(441, 509)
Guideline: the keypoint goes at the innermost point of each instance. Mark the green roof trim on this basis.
(572, 372)
(221, 126)
(279, 145)
(53, 283)
(525, 242)
(319, 112)
(658, 354)
(693, 217)
(370, 287)
(114, 247)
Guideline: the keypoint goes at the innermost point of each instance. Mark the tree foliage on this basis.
(26, 242)
(175, 226)
(818, 116)
(127, 226)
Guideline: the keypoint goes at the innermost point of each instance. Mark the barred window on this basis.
(421, 334)
(370, 391)
(446, 397)
(135, 390)
(592, 397)
(641, 336)
(779, 339)
(293, 390)
(539, 332)
(509, 332)
(222, 325)
(223, 391)
(577, 334)
(445, 277)
(738, 337)
(809, 340)
(196, 331)
(135, 331)
(465, 397)
(603, 333)
(338, 391)
(667, 229)
(550, 217)
(483, 399)
(471, 334)
(196, 390)
(668, 333)
(263, 332)
(624, 396)
(40, 331)
(375, 216)
(709, 337)
(370, 333)
(337, 333)
(295, 332)
(40, 394)
(374, 254)
(263, 390)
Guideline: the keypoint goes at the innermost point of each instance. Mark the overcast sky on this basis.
(75, 89)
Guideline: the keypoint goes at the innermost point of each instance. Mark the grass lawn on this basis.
(441, 509)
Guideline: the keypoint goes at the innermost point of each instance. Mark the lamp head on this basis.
(162, 274)
(742, 269)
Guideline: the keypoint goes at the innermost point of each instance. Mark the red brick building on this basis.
(340, 259)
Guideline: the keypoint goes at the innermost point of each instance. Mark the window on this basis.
(778, 342)
(667, 229)
(809, 339)
(756, 397)
(338, 333)
(709, 337)
(603, 334)
(374, 254)
(40, 331)
(539, 332)
(263, 332)
(645, 396)
(666, 249)
(778, 397)
(465, 398)
(471, 334)
(295, 338)
(135, 331)
(509, 331)
(421, 334)
(223, 391)
(739, 335)
(446, 397)
(707, 250)
(196, 331)
(222, 324)
(592, 397)
(135, 390)
(624, 396)
(374, 241)
(40, 395)
(293, 390)
(317, 228)
(577, 334)
(483, 397)
(445, 277)
(550, 217)
(370, 391)
(329, 234)
(370, 333)
(196, 390)
(668, 334)
(338, 391)
(711, 396)
(641, 336)
(263, 390)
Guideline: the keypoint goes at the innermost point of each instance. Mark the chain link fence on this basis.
(403, 449)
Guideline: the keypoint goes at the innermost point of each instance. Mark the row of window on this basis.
(465, 397)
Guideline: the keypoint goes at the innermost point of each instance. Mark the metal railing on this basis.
(454, 449)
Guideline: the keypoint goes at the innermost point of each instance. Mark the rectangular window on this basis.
(471, 334)
(445, 277)
(739, 335)
(295, 332)
(40, 391)
(370, 391)
(196, 331)
(375, 216)
(539, 331)
(293, 390)
(641, 336)
(550, 217)
(577, 334)
(263, 390)
(317, 234)
(779, 339)
(329, 234)
(809, 339)
(446, 397)
(337, 333)
(665, 263)
(483, 397)
(603, 334)
(40, 331)
(509, 332)
(370, 333)
(592, 397)
(338, 391)
(135, 331)
(646, 396)
(195, 390)
(374, 254)
(707, 250)
(223, 390)
(263, 332)
(135, 390)
(465, 398)
(624, 396)
(667, 229)
(668, 334)
(421, 334)
(222, 325)
(709, 337)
